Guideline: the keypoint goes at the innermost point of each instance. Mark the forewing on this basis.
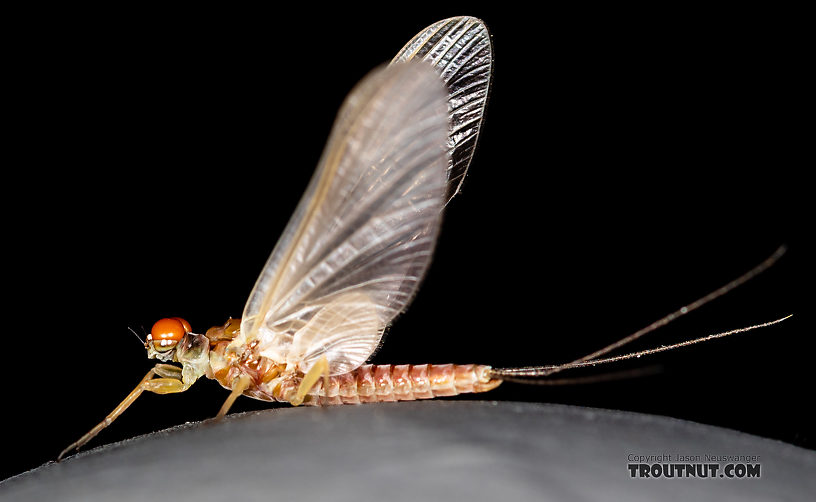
(365, 228)
(460, 49)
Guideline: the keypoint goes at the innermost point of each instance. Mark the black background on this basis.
(629, 163)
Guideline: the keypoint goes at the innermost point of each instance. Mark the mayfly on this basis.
(354, 252)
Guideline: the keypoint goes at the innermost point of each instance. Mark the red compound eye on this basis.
(187, 327)
(166, 333)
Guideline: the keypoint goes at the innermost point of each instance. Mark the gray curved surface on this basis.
(457, 450)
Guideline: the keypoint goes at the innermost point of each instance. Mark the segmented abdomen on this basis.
(405, 382)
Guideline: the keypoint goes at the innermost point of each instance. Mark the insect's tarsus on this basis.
(592, 359)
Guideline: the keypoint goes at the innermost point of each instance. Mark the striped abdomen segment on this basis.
(406, 382)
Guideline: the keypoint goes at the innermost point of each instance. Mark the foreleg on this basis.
(168, 383)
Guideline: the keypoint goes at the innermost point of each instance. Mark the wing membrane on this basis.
(460, 49)
(343, 331)
(362, 236)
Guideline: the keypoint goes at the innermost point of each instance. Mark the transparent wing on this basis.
(362, 236)
(343, 331)
(460, 49)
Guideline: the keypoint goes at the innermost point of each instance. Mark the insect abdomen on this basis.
(405, 382)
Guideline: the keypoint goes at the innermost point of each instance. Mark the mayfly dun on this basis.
(360, 241)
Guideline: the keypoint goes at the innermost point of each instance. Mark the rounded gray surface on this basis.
(434, 450)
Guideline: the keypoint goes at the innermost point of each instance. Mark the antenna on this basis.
(137, 335)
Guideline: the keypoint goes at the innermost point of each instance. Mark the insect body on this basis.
(353, 254)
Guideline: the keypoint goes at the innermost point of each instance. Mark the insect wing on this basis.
(460, 49)
(343, 331)
(365, 229)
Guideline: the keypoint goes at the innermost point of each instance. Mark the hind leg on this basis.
(320, 369)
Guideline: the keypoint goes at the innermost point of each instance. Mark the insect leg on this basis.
(170, 382)
(167, 371)
(320, 368)
(326, 381)
(164, 386)
(238, 388)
